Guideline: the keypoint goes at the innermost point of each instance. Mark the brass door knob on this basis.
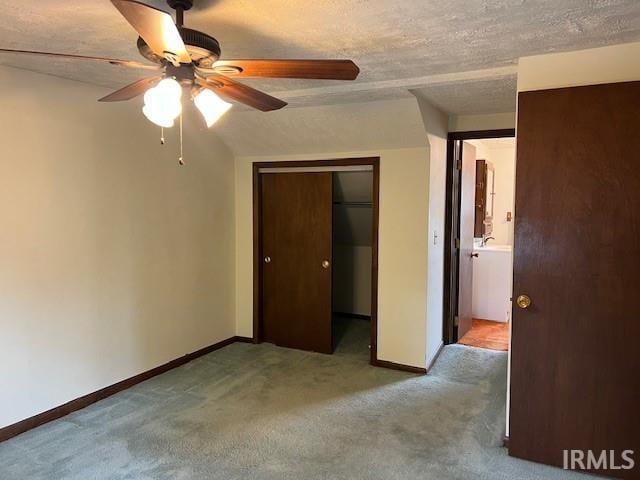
(267, 259)
(523, 301)
(325, 264)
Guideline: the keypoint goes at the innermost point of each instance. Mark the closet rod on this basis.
(354, 204)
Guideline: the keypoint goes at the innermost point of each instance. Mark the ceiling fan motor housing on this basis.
(203, 49)
(183, 4)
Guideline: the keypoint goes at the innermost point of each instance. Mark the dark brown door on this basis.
(296, 248)
(575, 373)
(467, 221)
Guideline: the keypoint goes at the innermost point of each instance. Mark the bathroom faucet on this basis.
(485, 240)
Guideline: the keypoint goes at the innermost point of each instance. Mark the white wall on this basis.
(503, 158)
(435, 125)
(114, 259)
(403, 247)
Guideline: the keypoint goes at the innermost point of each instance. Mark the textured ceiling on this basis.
(458, 53)
(472, 96)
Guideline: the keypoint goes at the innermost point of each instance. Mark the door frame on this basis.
(452, 227)
(374, 163)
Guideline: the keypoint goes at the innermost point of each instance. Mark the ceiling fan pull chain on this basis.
(180, 160)
(161, 135)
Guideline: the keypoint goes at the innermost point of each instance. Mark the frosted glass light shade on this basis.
(162, 103)
(170, 89)
(158, 117)
(211, 106)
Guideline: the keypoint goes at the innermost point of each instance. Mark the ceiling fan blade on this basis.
(157, 29)
(239, 92)
(310, 69)
(132, 90)
(113, 61)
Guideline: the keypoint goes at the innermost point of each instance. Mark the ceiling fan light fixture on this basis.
(211, 106)
(162, 103)
(187, 58)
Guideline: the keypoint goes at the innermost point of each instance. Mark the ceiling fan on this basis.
(189, 58)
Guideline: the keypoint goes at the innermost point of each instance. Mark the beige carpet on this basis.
(262, 412)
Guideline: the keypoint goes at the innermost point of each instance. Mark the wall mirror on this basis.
(485, 194)
(490, 195)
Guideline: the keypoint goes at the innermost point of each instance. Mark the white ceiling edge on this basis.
(403, 83)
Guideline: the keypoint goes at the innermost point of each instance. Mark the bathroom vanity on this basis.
(492, 282)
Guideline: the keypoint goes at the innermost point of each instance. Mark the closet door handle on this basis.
(325, 264)
(267, 259)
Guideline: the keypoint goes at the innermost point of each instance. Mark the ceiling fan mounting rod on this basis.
(180, 6)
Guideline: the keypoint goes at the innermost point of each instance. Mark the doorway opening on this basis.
(315, 255)
(479, 238)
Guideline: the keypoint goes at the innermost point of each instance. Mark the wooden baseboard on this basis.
(244, 339)
(398, 366)
(435, 357)
(86, 400)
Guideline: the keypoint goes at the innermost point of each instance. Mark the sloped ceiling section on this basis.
(325, 129)
(398, 44)
(458, 98)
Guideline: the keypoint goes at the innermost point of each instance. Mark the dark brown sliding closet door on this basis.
(296, 248)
